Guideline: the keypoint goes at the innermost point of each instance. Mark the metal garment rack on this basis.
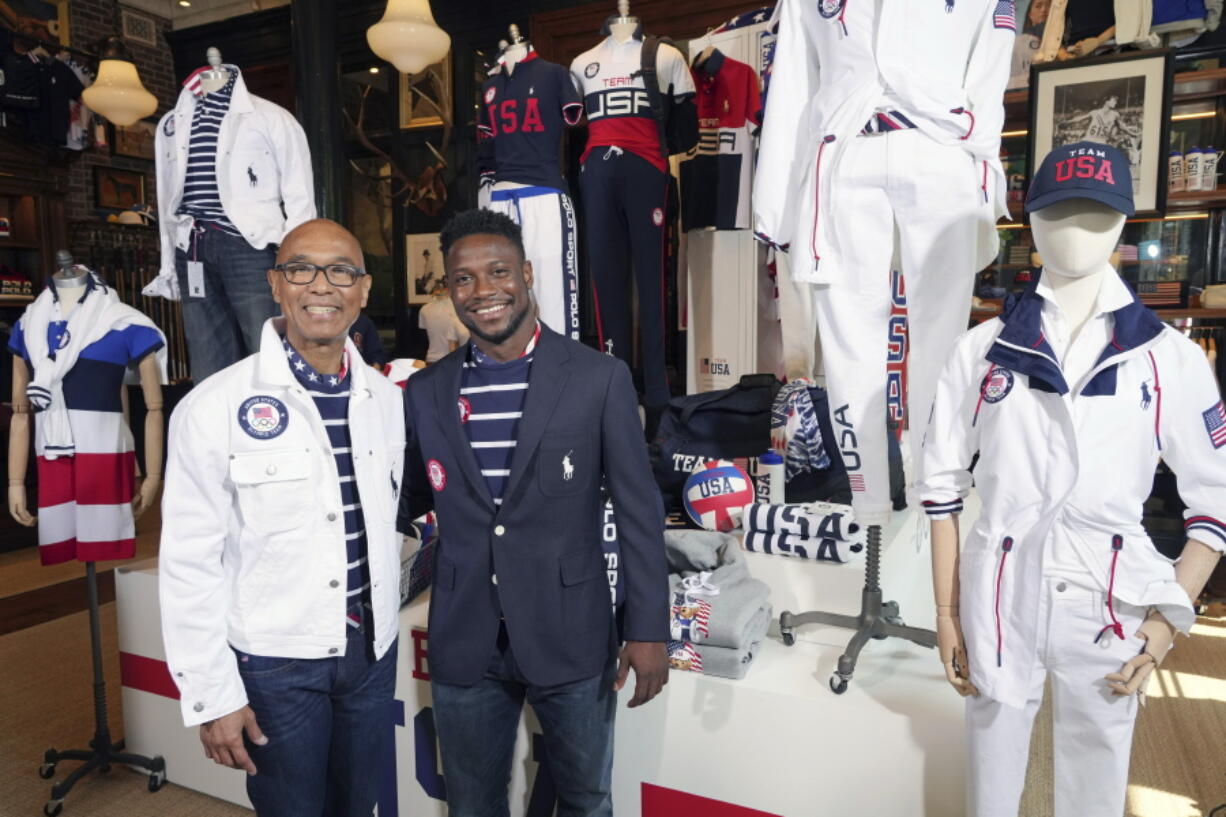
(101, 752)
(877, 619)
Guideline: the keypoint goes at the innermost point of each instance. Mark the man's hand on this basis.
(650, 662)
(223, 739)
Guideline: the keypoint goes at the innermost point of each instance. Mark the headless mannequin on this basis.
(69, 283)
(1075, 238)
(623, 26)
(516, 51)
(216, 77)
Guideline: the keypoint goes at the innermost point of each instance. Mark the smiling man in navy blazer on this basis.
(509, 440)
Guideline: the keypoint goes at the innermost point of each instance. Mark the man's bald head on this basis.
(321, 235)
(317, 311)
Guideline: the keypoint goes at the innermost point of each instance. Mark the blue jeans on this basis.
(326, 720)
(224, 325)
(476, 732)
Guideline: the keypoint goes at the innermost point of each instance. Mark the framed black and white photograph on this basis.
(425, 262)
(1122, 100)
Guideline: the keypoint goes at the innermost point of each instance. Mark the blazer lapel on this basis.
(446, 397)
(545, 385)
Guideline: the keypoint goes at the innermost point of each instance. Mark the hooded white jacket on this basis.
(253, 535)
(258, 140)
(1075, 470)
(942, 63)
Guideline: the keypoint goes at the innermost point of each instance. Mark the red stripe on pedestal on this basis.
(147, 675)
(661, 802)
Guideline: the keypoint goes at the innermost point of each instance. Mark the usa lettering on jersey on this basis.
(618, 102)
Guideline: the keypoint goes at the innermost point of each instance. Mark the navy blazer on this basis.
(544, 542)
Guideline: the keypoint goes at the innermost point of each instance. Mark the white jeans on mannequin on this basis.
(929, 199)
(1092, 728)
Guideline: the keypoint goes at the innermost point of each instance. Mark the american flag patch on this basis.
(1004, 15)
(857, 481)
(1215, 424)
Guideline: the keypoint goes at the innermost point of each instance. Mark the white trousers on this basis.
(897, 188)
(1092, 728)
(547, 218)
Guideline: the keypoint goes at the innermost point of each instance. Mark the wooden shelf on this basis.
(1010, 267)
(5, 244)
(1196, 198)
(15, 300)
(1190, 312)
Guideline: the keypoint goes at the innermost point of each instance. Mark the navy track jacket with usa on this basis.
(536, 559)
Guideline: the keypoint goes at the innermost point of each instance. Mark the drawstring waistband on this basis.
(613, 152)
(1005, 546)
(1117, 544)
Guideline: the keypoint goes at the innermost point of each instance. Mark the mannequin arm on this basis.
(1192, 572)
(151, 387)
(19, 445)
(945, 589)
(1089, 45)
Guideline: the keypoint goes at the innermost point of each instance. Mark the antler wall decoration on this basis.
(427, 191)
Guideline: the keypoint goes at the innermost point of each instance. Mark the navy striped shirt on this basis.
(491, 405)
(201, 199)
(331, 395)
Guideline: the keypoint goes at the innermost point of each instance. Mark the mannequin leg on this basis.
(939, 205)
(213, 338)
(853, 323)
(1092, 729)
(608, 259)
(998, 737)
(644, 195)
(244, 277)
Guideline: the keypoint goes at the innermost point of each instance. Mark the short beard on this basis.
(505, 335)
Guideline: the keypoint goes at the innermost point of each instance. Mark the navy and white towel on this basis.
(818, 531)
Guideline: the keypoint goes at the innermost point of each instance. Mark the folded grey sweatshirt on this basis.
(722, 661)
(714, 608)
(692, 551)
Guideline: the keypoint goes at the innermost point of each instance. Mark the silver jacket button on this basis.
(499, 530)
(270, 470)
(331, 517)
(198, 707)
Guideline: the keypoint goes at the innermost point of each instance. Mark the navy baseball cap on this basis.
(1083, 170)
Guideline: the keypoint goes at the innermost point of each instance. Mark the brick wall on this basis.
(90, 22)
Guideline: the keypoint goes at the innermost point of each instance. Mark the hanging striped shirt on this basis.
(201, 199)
(331, 395)
(491, 405)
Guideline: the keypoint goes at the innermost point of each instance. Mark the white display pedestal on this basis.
(777, 742)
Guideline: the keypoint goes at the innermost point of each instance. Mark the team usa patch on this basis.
(490, 93)
(437, 474)
(830, 8)
(1005, 15)
(593, 68)
(263, 417)
(1215, 424)
(466, 410)
(997, 385)
(657, 217)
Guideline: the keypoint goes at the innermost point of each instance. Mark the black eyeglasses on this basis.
(338, 275)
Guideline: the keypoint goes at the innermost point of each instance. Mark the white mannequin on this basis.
(216, 77)
(1076, 239)
(624, 26)
(70, 287)
(516, 51)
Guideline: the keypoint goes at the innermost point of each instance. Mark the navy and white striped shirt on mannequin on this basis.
(201, 199)
(331, 395)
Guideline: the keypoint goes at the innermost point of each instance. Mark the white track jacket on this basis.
(253, 531)
(943, 64)
(263, 162)
(1077, 469)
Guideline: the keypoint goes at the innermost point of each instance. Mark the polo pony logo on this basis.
(568, 468)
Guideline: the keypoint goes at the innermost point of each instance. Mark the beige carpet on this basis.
(47, 699)
(1178, 768)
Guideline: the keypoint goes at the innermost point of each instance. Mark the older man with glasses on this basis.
(279, 557)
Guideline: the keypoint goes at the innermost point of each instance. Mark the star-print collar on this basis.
(481, 359)
(313, 380)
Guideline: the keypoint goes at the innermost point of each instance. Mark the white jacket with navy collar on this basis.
(253, 533)
(263, 163)
(943, 64)
(1073, 462)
